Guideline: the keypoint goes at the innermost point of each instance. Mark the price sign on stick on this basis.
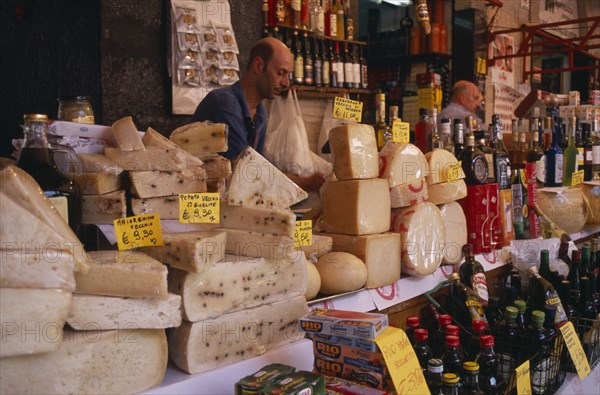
(138, 231)
(582, 365)
(400, 131)
(199, 208)
(349, 110)
(523, 379)
(454, 171)
(303, 233)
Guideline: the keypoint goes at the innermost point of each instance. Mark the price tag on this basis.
(582, 365)
(400, 131)
(523, 379)
(199, 208)
(577, 178)
(349, 110)
(303, 233)
(454, 171)
(481, 66)
(402, 362)
(138, 231)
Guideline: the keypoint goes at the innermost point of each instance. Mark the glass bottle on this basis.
(412, 323)
(587, 308)
(574, 275)
(459, 138)
(432, 323)
(540, 361)
(304, 15)
(422, 349)
(265, 12)
(474, 164)
(308, 61)
(464, 301)
(515, 153)
(536, 152)
(515, 289)
(564, 292)
(595, 150)
(444, 320)
(541, 293)
(501, 159)
(383, 133)
(579, 144)
(570, 154)
(423, 131)
(326, 64)
(348, 68)
(349, 21)
(318, 64)
(584, 266)
(446, 135)
(433, 376)
(470, 379)
(521, 321)
(563, 252)
(586, 131)
(488, 152)
(451, 384)
(490, 380)
(554, 157)
(340, 66)
(280, 12)
(472, 274)
(473, 345)
(436, 141)
(333, 67)
(406, 25)
(356, 68)
(452, 357)
(76, 109)
(298, 60)
(330, 20)
(393, 116)
(492, 311)
(364, 73)
(338, 8)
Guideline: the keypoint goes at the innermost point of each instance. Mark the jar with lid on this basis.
(76, 109)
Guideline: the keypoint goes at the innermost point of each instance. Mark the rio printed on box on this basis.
(344, 323)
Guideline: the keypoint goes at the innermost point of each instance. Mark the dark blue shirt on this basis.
(228, 105)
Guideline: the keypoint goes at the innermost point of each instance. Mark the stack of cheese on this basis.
(41, 261)
(356, 215)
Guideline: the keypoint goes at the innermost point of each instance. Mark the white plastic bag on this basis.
(286, 141)
(328, 123)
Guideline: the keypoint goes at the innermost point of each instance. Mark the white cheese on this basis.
(32, 320)
(259, 245)
(409, 194)
(147, 184)
(97, 183)
(356, 207)
(98, 163)
(166, 206)
(103, 209)
(273, 221)
(126, 135)
(447, 192)
(204, 345)
(151, 158)
(400, 163)
(201, 137)
(321, 245)
(217, 167)
(354, 152)
(43, 269)
(439, 162)
(237, 283)
(341, 272)
(152, 138)
(456, 232)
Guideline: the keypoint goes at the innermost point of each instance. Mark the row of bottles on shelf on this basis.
(330, 18)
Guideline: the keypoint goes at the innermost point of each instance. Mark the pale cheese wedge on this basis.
(257, 183)
(122, 361)
(321, 245)
(446, 192)
(97, 183)
(200, 138)
(126, 135)
(272, 221)
(147, 184)
(440, 162)
(260, 245)
(32, 320)
(103, 209)
(152, 138)
(456, 232)
(166, 206)
(98, 163)
(42, 269)
(409, 194)
(400, 163)
(149, 159)
(217, 167)
(354, 152)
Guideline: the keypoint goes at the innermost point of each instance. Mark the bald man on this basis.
(465, 100)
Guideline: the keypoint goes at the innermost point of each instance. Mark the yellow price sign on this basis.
(138, 231)
(402, 362)
(523, 379)
(582, 365)
(454, 171)
(400, 131)
(199, 208)
(349, 110)
(577, 178)
(303, 233)
(481, 66)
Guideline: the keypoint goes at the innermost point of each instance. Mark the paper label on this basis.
(138, 231)
(199, 208)
(349, 110)
(454, 171)
(480, 287)
(85, 119)
(402, 362)
(577, 178)
(582, 365)
(303, 233)
(400, 131)
(523, 379)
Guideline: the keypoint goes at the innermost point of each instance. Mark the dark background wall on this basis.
(112, 50)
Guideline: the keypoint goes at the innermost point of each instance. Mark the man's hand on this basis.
(308, 183)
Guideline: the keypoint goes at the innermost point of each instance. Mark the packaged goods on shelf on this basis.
(344, 323)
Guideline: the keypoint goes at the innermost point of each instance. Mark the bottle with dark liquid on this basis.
(541, 293)
(421, 347)
(501, 160)
(479, 328)
(492, 311)
(412, 323)
(453, 358)
(554, 156)
(584, 266)
(298, 60)
(470, 379)
(423, 131)
(472, 274)
(318, 64)
(406, 25)
(521, 307)
(433, 376)
(459, 138)
(587, 308)
(564, 292)
(464, 302)
(574, 275)
(451, 384)
(309, 70)
(490, 380)
(543, 344)
(474, 164)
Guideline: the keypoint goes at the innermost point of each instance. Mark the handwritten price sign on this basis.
(523, 379)
(303, 233)
(199, 208)
(349, 110)
(400, 131)
(577, 178)
(582, 365)
(454, 171)
(138, 231)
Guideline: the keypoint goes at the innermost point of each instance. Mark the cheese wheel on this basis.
(314, 281)
(341, 272)
(400, 163)
(446, 192)
(573, 210)
(423, 236)
(456, 231)
(354, 152)
(439, 162)
(591, 190)
(409, 194)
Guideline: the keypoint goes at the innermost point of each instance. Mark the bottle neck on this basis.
(35, 135)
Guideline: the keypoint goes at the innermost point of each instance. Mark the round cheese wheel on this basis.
(439, 162)
(456, 231)
(400, 163)
(423, 236)
(408, 194)
(341, 272)
(313, 281)
(568, 209)
(446, 192)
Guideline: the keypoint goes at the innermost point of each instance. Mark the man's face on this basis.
(273, 78)
(473, 98)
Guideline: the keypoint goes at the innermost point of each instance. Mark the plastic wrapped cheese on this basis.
(573, 206)
(409, 194)
(400, 163)
(354, 152)
(456, 231)
(423, 236)
(439, 162)
(446, 192)
(591, 191)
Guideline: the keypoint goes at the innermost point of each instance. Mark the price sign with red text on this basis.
(138, 231)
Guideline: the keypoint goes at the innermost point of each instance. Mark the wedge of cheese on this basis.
(150, 159)
(91, 362)
(257, 183)
(456, 232)
(132, 275)
(262, 220)
(423, 236)
(447, 192)
(147, 184)
(216, 166)
(126, 135)
(400, 163)
(439, 162)
(259, 245)
(166, 206)
(379, 252)
(92, 312)
(204, 345)
(190, 251)
(43, 269)
(98, 163)
(32, 320)
(103, 209)
(237, 283)
(200, 138)
(356, 207)
(97, 183)
(152, 138)
(409, 194)
(321, 245)
(354, 152)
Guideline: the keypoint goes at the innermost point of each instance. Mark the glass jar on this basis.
(76, 109)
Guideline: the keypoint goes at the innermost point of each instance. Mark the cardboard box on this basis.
(481, 207)
(344, 323)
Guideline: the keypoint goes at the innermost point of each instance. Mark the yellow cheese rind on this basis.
(400, 163)
(149, 159)
(200, 138)
(354, 152)
(273, 221)
(147, 184)
(103, 209)
(439, 162)
(166, 206)
(152, 138)
(313, 281)
(97, 183)
(341, 272)
(409, 194)
(126, 135)
(42, 269)
(455, 223)
(446, 192)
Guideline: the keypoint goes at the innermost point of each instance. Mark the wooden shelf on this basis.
(316, 91)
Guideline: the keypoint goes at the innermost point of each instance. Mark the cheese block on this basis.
(43, 269)
(152, 138)
(380, 253)
(126, 135)
(259, 245)
(97, 183)
(321, 245)
(151, 158)
(341, 272)
(354, 151)
(591, 190)
(98, 163)
(400, 163)
(166, 206)
(455, 223)
(103, 209)
(132, 274)
(204, 345)
(92, 362)
(257, 183)
(409, 194)
(19, 187)
(190, 251)
(216, 166)
(147, 184)
(201, 137)
(423, 235)
(356, 207)
(263, 220)
(313, 281)
(93, 312)
(32, 320)
(439, 161)
(446, 192)
(237, 283)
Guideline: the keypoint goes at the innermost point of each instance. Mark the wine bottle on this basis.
(521, 320)
(587, 151)
(459, 138)
(326, 64)
(554, 157)
(574, 275)
(318, 64)
(564, 292)
(348, 68)
(570, 154)
(333, 67)
(543, 345)
(472, 274)
(339, 66)
(309, 70)
(500, 157)
(356, 67)
(298, 60)
(489, 373)
(446, 135)
(406, 25)
(587, 308)
(595, 151)
(464, 301)
(474, 164)
(364, 69)
(541, 294)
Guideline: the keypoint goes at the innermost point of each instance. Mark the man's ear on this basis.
(259, 64)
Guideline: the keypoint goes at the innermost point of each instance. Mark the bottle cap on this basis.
(545, 255)
(413, 322)
(445, 120)
(537, 318)
(486, 341)
(35, 118)
(421, 334)
(478, 325)
(471, 366)
(435, 365)
(452, 341)
(453, 277)
(453, 330)
(511, 311)
(532, 270)
(521, 306)
(445, 319)
(450, 378)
